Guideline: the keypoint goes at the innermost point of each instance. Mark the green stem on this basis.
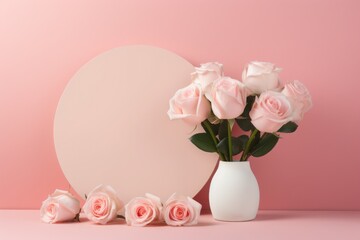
(248, 145)
(229, 141)
(208, 127)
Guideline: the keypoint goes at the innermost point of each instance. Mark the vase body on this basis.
(234, 192)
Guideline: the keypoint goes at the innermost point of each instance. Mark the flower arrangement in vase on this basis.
(261, 105)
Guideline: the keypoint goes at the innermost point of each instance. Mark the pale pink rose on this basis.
(102, 205)
(142, 211)
(228, 98)
(300, 98)
(179, 210)
(190, 105)
(271, 111)
(206, 74)
(60, 206)
(259, 77)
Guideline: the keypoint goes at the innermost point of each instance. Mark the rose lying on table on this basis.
(141, 211)
(59, 207)
(103, 205)
(177, 211)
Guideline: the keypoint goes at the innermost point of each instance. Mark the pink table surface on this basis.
(26, 224)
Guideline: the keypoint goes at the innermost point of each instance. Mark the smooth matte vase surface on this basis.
(234, 192)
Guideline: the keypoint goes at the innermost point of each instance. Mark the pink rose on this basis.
(180, 210)
(190, 105)
(141, 211)
(259, 77)
(102, 205)
(300, 98)
(60, 206)
(206, 74)
(228, 98)
(271, 111)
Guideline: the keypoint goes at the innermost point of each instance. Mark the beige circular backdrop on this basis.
(111, 126)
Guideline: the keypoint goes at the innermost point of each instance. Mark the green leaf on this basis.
(223, 129)
(204, 142)
(265, 145)
(249, 103)
(237, 146)
(245, 124)
(214, 127)
(243, 139)
(288, 127)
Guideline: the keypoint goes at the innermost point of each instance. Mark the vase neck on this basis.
(243, 165)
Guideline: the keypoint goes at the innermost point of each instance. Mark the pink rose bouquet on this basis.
(61, 206)
(260, 104)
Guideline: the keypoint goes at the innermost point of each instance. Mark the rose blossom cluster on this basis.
(103, 205)
(211, 92)
(177, 211)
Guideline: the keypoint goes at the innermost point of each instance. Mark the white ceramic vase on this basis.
(234, 192)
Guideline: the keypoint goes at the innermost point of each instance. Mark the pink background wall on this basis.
(43, 43)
